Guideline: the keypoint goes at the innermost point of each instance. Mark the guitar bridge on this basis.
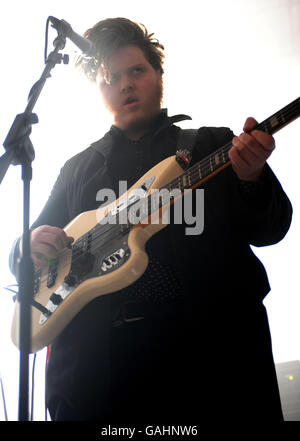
(112, 261)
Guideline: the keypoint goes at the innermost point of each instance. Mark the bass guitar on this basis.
(107, 254)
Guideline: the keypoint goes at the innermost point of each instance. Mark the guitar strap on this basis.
(185, 146)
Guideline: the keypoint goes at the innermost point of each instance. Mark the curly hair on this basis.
(114, 33)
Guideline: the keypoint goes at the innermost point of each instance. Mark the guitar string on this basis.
(206, 162)
(100, 236)
(205, 166)
(192, 172)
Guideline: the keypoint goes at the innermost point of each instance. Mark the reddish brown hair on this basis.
(114, 33)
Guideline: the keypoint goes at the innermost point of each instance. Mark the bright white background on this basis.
(226, 60)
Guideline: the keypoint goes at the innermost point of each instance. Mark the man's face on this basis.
(131, 90)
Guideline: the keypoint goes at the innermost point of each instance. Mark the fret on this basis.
(268, 125)
(37, 280)
(225, 150)
(223, 157)
(210, 163)
(282, 116)
(274, 122)
(180, 184)
(279, 119)
(265, 127)
(199, 171)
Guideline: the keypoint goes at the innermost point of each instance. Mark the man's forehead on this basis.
(124, 58)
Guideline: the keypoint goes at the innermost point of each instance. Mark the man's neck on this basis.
(135, 133)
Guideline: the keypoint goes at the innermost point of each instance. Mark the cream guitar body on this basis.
(94, 266)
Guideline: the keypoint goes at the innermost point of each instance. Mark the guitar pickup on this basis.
(36, 281)
(52, 273)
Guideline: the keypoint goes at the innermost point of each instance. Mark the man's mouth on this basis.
(130, 102)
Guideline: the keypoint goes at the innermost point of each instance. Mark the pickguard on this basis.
(87, 262)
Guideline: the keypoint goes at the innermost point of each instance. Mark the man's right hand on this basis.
(46, 242)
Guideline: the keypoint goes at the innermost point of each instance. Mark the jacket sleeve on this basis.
(55, 212)
(262, 210)
(261, 213)
(71, 194)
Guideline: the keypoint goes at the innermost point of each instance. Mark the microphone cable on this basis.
(32, 387)
(46, 39)
(3, 398)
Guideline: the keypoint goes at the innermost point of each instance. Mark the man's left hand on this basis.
(250, 151)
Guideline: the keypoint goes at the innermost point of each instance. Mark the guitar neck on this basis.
(219, 159)
(212, 164)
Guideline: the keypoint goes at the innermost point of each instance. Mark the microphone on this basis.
(85, 45)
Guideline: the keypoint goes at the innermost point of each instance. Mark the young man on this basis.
(189, 341)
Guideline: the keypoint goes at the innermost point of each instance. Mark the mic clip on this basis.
(58, 58)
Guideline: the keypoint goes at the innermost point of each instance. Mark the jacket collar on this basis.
(161, 123)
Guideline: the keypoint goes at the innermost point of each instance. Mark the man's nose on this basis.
(126, 85)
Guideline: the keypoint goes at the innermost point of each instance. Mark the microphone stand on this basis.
(20, 151)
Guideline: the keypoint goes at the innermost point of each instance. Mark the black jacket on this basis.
(234, 219)
(222, 280)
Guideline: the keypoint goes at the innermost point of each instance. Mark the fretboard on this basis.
(205, 169)
(219, 159)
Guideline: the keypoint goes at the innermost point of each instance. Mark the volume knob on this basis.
(70, 280)
(56, 299)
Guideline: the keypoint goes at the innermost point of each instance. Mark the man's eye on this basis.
(137, 70)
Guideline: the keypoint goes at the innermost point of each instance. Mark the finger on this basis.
(250, 124)
(61, 240)
(251, 144)
(65, 239)
(239, 163)
(47, 244)
(45, 250)
(266, 141)
(39, 260)
(56, 237)
(247, 149)
(245, 168)
(246, 142)
(70, 239)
